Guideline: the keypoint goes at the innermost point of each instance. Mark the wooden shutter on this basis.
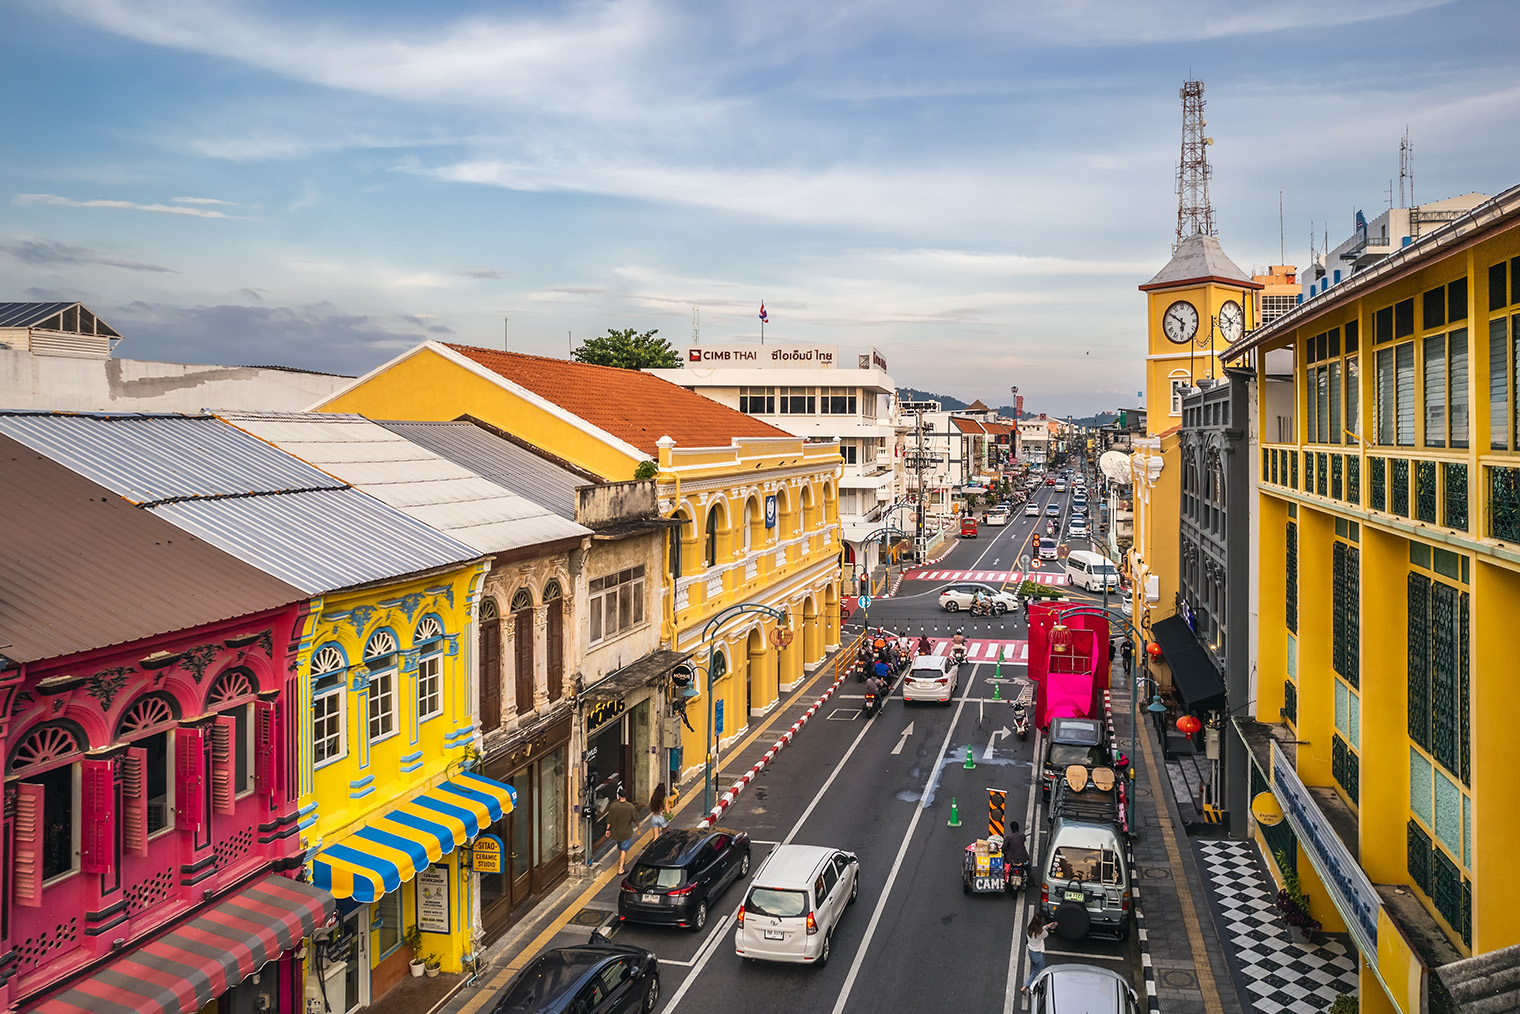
(490, 674)
(223, 764)
(26, 846)
(556, 648)
(523, 658)
(134, 801)
(97, 833)
(189, 779)
(267, 768)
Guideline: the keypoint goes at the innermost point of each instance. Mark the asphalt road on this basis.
(883, 788)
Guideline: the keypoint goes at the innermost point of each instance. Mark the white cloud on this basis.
(163, 209)
(202, 200)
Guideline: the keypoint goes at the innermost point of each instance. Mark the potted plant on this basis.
(1294, 904)
(413, 938)
(433, 966)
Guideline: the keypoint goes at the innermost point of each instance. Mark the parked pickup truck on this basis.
(1084, 872)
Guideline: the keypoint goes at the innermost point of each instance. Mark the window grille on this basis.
(1353, 479)
(1320, 479)
(1345, 767)
(1377, 484)
(1446, 887)
(1400, 483)
(1281, 843)
(1418, 850)
(1293, 469)
(1454, 499)
(1266, 455)
(1425, 490)
(1291, 589)
(1345, 621)
(1419, 659)
(1337, 476)
(1275, 455)
(1504, 504)
(1290, 701)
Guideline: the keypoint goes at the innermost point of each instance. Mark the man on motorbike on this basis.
(925, 646)
(876, 687)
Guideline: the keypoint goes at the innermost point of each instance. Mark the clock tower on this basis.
(1199, 304)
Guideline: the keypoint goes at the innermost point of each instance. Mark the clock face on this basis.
(1232, 321)
(1180, 322)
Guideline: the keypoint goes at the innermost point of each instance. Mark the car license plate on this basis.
(1074, 896)
(650, 899)
(774, 935)
(988, 884)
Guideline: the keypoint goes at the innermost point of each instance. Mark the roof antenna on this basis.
(1282, 243)
(570, 344)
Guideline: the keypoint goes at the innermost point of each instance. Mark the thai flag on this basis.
(763, 318)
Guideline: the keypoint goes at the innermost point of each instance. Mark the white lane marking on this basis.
(902, 852)
(905, 734)
(701, 960)
(1011, 989)
(1087, 955)
(1004, 733)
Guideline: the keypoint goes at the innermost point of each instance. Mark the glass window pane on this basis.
(594, 610)
(552, 816)
(1404, 381)
(1435, 391)
(1322, 403)
(1457, 350)
(1498, 384)
(1353, 395)
(1342, 709)
(1354, 730)
(1420, 774)
(1333, 434)
(1385, 395)
(1448, 824)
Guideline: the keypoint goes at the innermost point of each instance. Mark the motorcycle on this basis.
(958, 654)
(870, 705)
(1020, 719)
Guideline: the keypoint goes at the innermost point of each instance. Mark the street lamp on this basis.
(712, 627)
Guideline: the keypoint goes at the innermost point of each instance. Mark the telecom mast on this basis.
(1195, 215)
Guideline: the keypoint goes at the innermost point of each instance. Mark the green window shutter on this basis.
(1419, 659)
(1446, 677)
(1291, 577)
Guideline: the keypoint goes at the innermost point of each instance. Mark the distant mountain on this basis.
(948, 403)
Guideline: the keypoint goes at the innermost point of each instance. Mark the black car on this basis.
(1072, 741)
(596, 978)
(681, 873)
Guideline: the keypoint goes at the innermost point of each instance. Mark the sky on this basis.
(976, 188)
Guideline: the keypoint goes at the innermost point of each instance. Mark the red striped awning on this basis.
(181, 972)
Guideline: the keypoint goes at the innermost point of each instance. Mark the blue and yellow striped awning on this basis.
(391, 848)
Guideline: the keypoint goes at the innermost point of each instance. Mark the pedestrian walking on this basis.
(659, 808)
(1039, 929)
(1128, 651)
(621, 820)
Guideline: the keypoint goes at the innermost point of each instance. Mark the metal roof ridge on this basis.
(208, 497)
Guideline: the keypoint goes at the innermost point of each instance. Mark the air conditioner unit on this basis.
(1152, 588)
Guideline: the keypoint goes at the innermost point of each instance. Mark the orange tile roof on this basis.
(639, 408)
(967, 425)
(977, 406)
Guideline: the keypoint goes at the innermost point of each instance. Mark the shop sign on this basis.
(808, 357)
(433, 899)
(485, 855)
(1350, 889)
(603, 712)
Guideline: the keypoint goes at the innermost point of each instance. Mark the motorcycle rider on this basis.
(925, 646)
(876, 686)
(958, 645)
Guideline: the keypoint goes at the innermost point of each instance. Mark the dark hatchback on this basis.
(1072, 741)
(681, 873)
(596, 978)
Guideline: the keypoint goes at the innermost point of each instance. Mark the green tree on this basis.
(628, 350)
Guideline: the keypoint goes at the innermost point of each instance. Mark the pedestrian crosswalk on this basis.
(987, 576)
(987, 650)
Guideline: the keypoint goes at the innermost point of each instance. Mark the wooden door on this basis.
(490, 674)
(523, 658)
(555, 649)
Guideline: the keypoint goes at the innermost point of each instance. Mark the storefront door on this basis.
(533, 835)
(351, 947)
(606, 768)
(520, 842)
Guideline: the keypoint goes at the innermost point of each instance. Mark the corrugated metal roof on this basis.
(426, 485)
(503, 462)
(242, 495)
(148, 458)
(27, 314)
(85, 569)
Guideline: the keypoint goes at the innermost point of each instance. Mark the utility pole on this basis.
(918, 528)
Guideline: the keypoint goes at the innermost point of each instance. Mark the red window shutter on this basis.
(189, 779)
(134, 801)
(266, 741)
(223, 792)
(26, 846)
(490, 674)
(523, 659)
(556, 648)
(97, 834)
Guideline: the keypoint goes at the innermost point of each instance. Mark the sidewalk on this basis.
(587, 899)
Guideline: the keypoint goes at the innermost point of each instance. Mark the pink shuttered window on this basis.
(97, 834)
(190, 778)
(267, 742)
(134, 801)
(26, 846)
(223, 765)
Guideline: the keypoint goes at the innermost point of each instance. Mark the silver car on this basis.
(794, 903)
(1081, 989)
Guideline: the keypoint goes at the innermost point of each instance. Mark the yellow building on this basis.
(1195, 307)
(759, 506)
(1388, 568)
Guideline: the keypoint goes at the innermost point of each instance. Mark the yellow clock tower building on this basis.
(1199, 304)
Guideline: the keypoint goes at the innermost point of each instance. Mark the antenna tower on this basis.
(1195, 215)
(1406, 167)
(696, 325)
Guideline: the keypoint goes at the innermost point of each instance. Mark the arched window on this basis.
(522, 648)
(428, 639)
(380, 659)
(230, 687)
(146, 714)
(489, 664)
(45, 828)
(749, 523)
(554, 639)
(710, 545)
(147, 790)
(46, 746)
(233, 749)
(329, 705)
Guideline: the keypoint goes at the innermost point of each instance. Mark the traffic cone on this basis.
(969, 762)
(955, 815)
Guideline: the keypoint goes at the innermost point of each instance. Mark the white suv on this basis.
(794, 903)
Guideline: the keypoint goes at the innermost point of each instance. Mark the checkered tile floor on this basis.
(1282, 975)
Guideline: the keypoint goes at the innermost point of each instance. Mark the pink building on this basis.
(145, 687)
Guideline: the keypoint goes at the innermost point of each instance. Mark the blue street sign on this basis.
(865, 602)
(718, 713)
(770, 511)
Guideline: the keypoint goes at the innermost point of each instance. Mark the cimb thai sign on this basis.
(803, 357)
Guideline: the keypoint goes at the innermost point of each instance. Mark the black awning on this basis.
(1196, 680)
(647, 671)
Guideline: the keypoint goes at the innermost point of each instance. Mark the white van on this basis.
(794, 903)
(1090, 570)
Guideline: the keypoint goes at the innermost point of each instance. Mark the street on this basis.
(883, 788)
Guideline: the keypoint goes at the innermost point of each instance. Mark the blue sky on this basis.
(974, 188)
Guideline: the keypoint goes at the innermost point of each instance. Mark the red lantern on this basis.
(1153, 650)
(1188, 725)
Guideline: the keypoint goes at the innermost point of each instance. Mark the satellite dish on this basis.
(1115, 465)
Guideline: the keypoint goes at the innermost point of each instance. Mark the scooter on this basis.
(958, 654)
(870, 705)
(1020, 719)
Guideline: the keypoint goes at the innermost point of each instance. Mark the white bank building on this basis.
(807, 391)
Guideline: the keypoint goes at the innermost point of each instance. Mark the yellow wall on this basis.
(338, 797)
(427, 385)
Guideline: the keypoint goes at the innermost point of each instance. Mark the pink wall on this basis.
(1077, 691)
(193, 682)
